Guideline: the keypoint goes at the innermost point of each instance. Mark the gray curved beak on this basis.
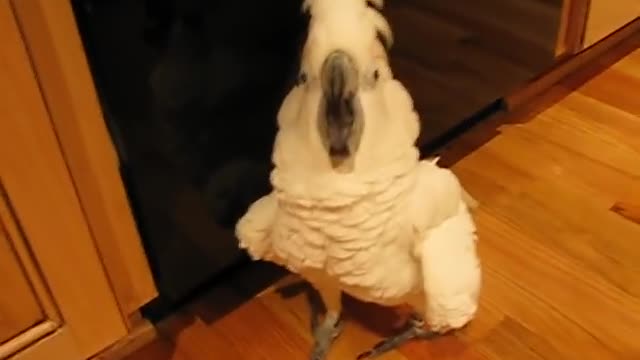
(339, 125)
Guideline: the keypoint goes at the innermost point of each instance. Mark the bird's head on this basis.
(346, 112)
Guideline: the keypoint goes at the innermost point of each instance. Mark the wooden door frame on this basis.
(52, 38)
(573, 23)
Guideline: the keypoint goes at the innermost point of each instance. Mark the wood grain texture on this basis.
(572, 27)
(43, 198)
(51, 35)
(561, 278)
(627, 210)
(142, 332)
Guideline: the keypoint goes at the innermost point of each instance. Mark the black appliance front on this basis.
(190, 92)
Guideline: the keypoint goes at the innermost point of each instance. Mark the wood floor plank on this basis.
(549, 160)
(253, 331)
(285, 305)
(516, 295)
(581, 296)
(618, 85)
(449, 347)
(595, 238)
(193, 338)
(620, 124)
(628, 210)
(159, 349)
(616, 88)
(488, 317)
(630, 64)
(504, 341)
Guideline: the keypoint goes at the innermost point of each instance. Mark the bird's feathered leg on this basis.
(325, 331)
(325, 305)
(415, 330)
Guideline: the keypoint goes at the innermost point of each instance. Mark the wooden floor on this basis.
(559, 226)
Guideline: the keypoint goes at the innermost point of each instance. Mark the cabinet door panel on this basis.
(28, 314)
(19, 308)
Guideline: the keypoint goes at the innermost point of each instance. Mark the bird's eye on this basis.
(302, 78)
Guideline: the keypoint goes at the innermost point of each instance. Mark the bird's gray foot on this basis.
(324, 335)
(414, 331)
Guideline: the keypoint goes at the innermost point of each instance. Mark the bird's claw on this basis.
(324, 335)
(415, 331)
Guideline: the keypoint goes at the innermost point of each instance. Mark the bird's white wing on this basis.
(446, 248)
(451, 272)
(253, 230)
(436, 196)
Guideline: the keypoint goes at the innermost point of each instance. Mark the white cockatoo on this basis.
(353, 209)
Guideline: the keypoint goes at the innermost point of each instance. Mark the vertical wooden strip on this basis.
(572, 27)
(50, 31)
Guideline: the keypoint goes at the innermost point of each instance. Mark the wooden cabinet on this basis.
(50, 33)
(57, 298)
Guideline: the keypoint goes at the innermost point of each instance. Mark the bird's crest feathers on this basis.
(327, 9)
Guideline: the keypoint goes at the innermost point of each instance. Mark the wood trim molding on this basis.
(50, 32)
(59, 342)
(141, 334)
(561, 41)
(27, 338)
(570, 65)
(572, 27)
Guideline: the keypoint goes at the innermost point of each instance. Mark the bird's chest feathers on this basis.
(356, 241)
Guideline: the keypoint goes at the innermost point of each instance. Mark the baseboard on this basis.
(141, 334)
